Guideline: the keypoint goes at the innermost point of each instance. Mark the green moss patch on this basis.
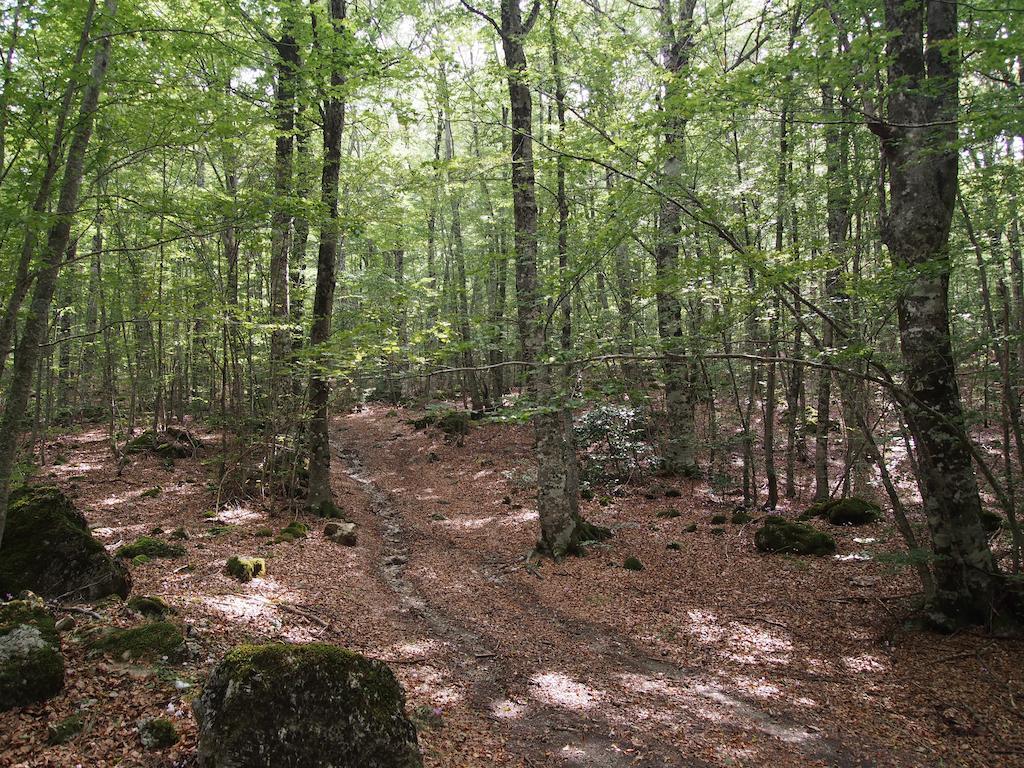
(718, 519)
(740, 517)
(632, 563)
(48, 549)
(157, 733)
(779, 535)
(850, 511)
(668, 514)
(150, 547)
(246, 568)
(154, 641)
(292, 532)
(64, 731)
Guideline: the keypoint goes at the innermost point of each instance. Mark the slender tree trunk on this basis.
(286, 67)
(321, 496)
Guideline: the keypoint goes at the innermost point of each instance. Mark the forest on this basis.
(469, 383)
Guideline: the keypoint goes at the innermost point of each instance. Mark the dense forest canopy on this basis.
(737, 240)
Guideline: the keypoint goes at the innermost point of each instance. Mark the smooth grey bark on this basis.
(27, 354)
(918, 140)
(562, 528)
(680, 401)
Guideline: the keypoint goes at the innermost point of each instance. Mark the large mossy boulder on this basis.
(779, 535)
(48, 549)
(304, 706)
(849, 511)
(31, 662)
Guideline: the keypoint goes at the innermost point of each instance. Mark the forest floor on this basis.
(712, 655)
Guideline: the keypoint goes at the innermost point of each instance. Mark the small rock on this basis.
(341, 533)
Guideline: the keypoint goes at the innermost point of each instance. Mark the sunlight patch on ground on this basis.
(521, 517)
(506, 709)
(117, 498)
(237, 514)
(760, 688)
(297, 634)
(73, 469)
(435, 684)
(562, 691)
(472, 522)
(249, 608)
(856, 556)
(740, 642)
(864, 663)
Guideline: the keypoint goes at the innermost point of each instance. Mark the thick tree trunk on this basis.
(321, 496)
(680, 453)
(918, 141)
(28, 351)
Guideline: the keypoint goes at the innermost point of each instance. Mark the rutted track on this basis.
(580, 736)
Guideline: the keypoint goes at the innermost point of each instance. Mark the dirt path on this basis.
(542, 676)
(712, 655)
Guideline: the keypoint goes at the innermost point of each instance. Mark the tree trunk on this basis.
(918, 142)
(681, 442)
(321, 496)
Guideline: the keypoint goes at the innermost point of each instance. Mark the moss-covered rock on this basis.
(47, 548)
(65, 730)
(292, 532)
(246, 568)
(157, 733)
(150, 547)
(31, 662)
(784, 536)
(668, 514)
(455, 425)
(155, 641)
(718, 519)
(341, 533)
(740, 517)
(849, 511)
(172, 443)
(150, 606)
(632, 563)
(304, 706)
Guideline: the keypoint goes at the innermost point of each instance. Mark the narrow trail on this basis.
(531, 670)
